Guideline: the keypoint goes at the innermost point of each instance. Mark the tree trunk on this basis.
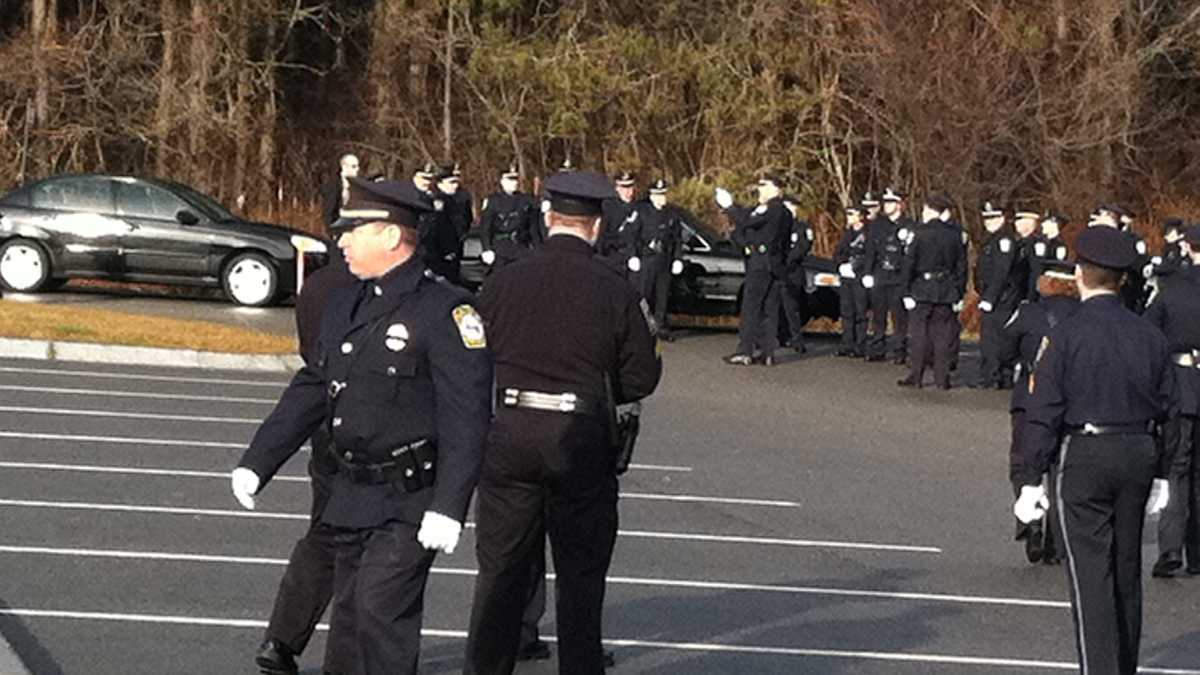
(39, 29)
(447, 139)
(198, 103)
(240, 120)
(167, 86)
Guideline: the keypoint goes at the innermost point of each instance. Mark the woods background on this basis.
(1035, 103)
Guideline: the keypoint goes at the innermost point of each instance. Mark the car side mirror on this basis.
(186, 217)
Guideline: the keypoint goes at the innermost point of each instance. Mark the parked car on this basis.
(143, 229)
(711, 283)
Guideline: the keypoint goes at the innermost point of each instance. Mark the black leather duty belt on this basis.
(563, 403)
(935, 276)
(1090, 429)
(413, 464)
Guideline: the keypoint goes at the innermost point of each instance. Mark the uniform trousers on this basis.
(933, 330)
(536, 607)
(656, 286)
(991, 325)
(1179, 523)
(853, 305)
(379, 595)
(792, 297)
(1049, 523)
(888, 299)
(544, 473)
(1103, 483)
(758, 328)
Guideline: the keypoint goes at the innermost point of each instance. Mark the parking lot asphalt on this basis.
(807, 518)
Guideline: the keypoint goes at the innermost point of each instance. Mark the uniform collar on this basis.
(1104, 299)
(401, 279)
(569, 243)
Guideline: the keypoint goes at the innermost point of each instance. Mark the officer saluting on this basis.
(565, 328)
(403, 386)
(510, 223)
(1103, 381)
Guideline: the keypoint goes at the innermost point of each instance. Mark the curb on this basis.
(46, 350)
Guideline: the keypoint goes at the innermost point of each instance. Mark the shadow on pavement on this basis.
(26, 645)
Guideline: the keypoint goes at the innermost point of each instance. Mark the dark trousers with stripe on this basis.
(853, 305)
(1179, 524)
(933, 330)
(1102, 485)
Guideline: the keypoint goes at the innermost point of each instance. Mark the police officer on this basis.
(1102, 380)
(762, 232)
(1133, 288)
(403, 387)
(1175, 310)
(439, 237)
(1020, 338)
(887, 237)
(1046, 248)
(621, 235)
(510, 223)
(850, 257)
(1173, 258)
(1000, 291)
(793, 298)
(660, 226)
(870, 207)
(459, 208)
(934, 280)
(335, 192)
(565, 328)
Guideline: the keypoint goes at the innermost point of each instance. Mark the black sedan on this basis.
(145, 230)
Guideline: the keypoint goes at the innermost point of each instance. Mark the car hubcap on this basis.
(249, 282)
(22, 267)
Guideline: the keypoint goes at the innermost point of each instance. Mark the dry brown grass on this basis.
(73, 323)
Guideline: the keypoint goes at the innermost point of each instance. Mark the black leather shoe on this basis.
(1168, 564)
(609, 660)
(845, 352)
(876, 358)
(275, 658)
(908, 382)
(538, 650)
(1034, 544)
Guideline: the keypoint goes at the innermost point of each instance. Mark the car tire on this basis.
(250, 279)
(24, 266)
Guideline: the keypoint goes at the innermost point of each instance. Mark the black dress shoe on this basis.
(876, 358)
(609, 659)
(908, 382)
(1034, 545)
(538, 650)
(1168, 564)
(275, 658)
(845, 352)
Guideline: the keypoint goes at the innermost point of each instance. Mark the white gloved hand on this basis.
(910, 304)
(1032, 504)
(677, 267)
(245, 484)
(1160, 494)
(634, 264)
(439, 532)
(488, 257)
(724, 199)
(868, 281)
(847, 270)
(985, 306)
(958, 306)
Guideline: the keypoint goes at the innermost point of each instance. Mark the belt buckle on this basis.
(511, 396)
(566, 402)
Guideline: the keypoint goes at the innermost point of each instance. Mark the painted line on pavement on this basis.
(81, 412)
(636, 534)
(278, 384)
(707, 647)
(692, 584)
(108, 393)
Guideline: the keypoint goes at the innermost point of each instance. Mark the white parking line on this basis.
(708, 647)
(151, 378)
(638, 534)
(108, 393)
(693, 584)
(80, 412)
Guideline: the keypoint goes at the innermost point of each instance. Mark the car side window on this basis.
(73, 194)
(140, 200)
(692, 240)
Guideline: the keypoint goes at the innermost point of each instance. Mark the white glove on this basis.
(868, 281)
(847, 270)
(910, 304)
(245, 484)
(985, 306)
(634, 264)
(1160, 494)
(488, 257)
(724, 199)
(677, 267)
(958, 307)
(439, 532)
(1032, 504)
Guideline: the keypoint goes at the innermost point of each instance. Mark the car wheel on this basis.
(24, 266)
(250, 279)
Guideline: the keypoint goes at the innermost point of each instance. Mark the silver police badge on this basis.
(396, 337)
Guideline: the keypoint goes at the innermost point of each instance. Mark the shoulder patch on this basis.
(1005, 245)
(470, 326)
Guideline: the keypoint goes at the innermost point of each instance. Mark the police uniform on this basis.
(660, 250)
(850, 257)
(620, 230)
(793, 298)
(438, 234)
(1044, 252)
(1001, 278)
(403, 386)
(762, 233)
(560, 324)
(1102, 381)
(460, 211)
(1175, 310)
(886, 243)
(510, 223)
(935, 277)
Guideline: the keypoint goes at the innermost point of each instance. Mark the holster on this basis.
(413, 465)
(627, 426)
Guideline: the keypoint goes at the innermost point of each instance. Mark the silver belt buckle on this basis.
(511, 396)
(566, 402)
(1090, 429)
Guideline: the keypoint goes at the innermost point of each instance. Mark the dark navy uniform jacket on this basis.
(1022, 335)
(935, 270)
(661, 230)
(411, 364)
(763, 234)
(1041, 251)
(886, 244)
(853, 249)
(1000, 272)
(1175, 310)
(618, 235)
(509, 223)
(1103, 365)
(559, 320)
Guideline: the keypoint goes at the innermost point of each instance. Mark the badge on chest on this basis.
(396, 337)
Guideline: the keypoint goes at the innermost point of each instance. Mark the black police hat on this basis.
(991, 211)
(1056, 216)
(1192, 235)
(566, 165)
(448, 171)
(1106, 247)
(387, 201)
(428, 171)
(1173, 224)
(626, 179)
(772, 178)
(869, 200)
(1027, 214)
(890, 195)
(939, 201)
(853, 210)
(659, 187)
(512, 172)
(578, 193)
(1058, 269)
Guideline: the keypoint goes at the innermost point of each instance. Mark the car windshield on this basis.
(211, 207)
